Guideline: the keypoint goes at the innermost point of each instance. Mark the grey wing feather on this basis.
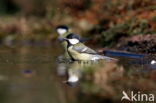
(84, 49)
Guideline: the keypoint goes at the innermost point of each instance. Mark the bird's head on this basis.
(62, 29)
(72, 38)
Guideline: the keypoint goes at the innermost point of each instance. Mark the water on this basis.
(30, 74)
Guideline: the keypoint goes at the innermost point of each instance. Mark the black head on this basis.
(62, 27)
(73, 36)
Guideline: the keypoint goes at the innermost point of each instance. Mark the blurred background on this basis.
(29, 48)
(105, 21)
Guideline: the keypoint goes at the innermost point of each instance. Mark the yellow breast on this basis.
(78, 56)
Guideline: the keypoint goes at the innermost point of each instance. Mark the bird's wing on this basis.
(83, 49)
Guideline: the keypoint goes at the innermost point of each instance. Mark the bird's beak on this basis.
(65, 39)
(83, 40)
(60, 39)
(64, 81)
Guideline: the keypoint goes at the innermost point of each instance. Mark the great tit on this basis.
(79, 52)
(63, 31)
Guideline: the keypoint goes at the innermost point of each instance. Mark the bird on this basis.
(80, 52)
(63, 31)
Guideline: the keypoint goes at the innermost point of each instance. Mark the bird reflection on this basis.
(73, 70)
(74, 73)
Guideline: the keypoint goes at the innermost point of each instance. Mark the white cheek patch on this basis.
(73, 79)
(73, 41)
(61, 31)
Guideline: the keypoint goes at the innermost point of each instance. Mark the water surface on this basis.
(30, 74)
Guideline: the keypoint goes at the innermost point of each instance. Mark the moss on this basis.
(131, 27)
